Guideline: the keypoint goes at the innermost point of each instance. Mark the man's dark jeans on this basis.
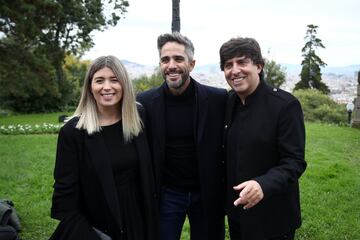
(174, 207)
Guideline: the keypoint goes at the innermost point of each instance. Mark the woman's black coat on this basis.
(84, 190)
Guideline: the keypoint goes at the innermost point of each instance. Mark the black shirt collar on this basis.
(253, 96)
(187, 94)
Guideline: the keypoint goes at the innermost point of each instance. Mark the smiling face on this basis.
(107, 90)
(175, 66)
(242, 75)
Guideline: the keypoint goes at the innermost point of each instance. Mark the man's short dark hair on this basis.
(241, 47)
(179, 38)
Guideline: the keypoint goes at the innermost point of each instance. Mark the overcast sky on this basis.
(278, 25)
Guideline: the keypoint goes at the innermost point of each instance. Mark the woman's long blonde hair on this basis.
(87, 108)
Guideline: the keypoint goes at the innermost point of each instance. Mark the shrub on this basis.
(5, 112)
(30, 129)
(144, 82)
(320, 107)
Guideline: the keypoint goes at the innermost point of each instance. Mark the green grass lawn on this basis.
(27, 163)
(330, 187)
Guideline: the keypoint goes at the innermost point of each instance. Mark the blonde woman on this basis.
(104, 186)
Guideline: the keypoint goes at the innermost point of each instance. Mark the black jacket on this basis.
(210, 106)
(84, 190)
(266, 144)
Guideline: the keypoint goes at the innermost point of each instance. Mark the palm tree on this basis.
(175, 26)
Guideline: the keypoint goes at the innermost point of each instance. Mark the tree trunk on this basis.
(175, 26)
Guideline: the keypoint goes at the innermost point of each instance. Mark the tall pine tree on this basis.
(311, 72)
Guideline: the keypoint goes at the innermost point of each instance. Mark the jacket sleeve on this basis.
(74, 227)
(142, 114)
(65, 199)
(291, 146)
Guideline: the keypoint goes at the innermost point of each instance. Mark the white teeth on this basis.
(108, 94)
(238, 80)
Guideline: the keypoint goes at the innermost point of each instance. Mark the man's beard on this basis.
(178, 83)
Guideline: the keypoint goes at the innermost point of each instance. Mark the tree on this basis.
(175, 26)
(144, 82)
(311, 72)
(58, 27)
(48, 30)
(75, 71)
(27, 81)
(274, 74)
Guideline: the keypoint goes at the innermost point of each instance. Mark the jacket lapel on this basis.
(230, 107)
(229, 113)
(202, 109)
(99, 155)
(158, 114)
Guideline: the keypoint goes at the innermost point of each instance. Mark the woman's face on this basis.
(107, 90)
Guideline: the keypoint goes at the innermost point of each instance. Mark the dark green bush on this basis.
(144, 82)
(5, 112)
(320, 107)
